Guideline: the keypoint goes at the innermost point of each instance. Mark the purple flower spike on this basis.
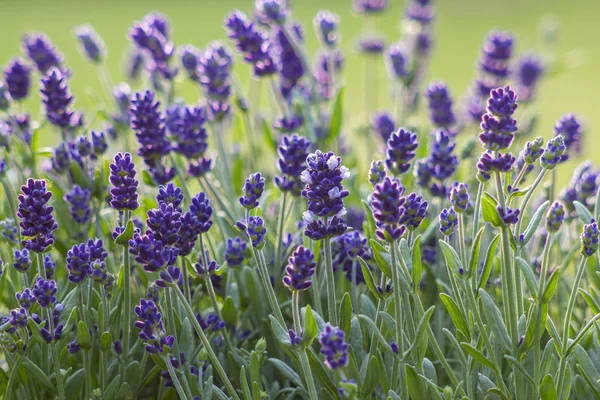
(26, 299)
(79, 200)
(299, 270)
(90, 43)
(589, 239)
(289, 64)
(415, 209)
(401, 148)
(37, 222)
(253, 190)
(387, 209)
(56, 98)
(22, 260)
(460, 199)
(271, 11)
(376, 172)
(571, 130)
(42, 52)
(78, 263)
(489, 163)
(292, 161)
(533, 150)
(448, 221)
(202, 211)
(170, 194)
(554, 152)
(334, 347)
(151, 253)
(398, 61)
(256, 231)
(235, 252)
(508, 215)
(498, 125)
(45, 292)
(370, 6)
(555, 217)
(19, 318)
(383, 124)
(122, 178)
(527, 74)
(326, 25)
(440, 105)
(164, 223)
(17, 77)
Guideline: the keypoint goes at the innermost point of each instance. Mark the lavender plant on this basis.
(137, 262)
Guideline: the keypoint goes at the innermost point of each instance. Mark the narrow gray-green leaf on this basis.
(455, 313)
(475, 248)
(582, 212)
(477, 355)
(452, 258)
(530, 279)
(534, 223)
(417, 266)
(489, 262)
(369, 278)
(495, 321)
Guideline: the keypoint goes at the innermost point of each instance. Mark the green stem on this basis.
(263, 272)
(103, 355)
(184, 186)
(296, 311)
(399, 334)
(567, 324)
(378, 318)
(280, 230)
(330, 283)
(224, 161)
(56, 360)
(175, 379)
(42, 274)
(127, 302)
(219, 200)
(186, 280)
(211, 354)
(87, 365)
(304, 363)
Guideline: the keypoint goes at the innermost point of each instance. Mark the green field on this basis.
(460, 28)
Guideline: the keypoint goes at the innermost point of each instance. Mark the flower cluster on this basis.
(292, 161)
(37, 221)
(432, 172)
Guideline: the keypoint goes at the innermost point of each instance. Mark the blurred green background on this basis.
(460, 27)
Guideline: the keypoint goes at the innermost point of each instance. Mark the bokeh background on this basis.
(460, 27)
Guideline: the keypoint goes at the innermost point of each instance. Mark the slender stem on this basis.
(330, 283)
(42, 274)
(175, 379)
(103, 355)
(127, 302)
(86, 357)
(186, 280)
(310, 381)
(56, 360)
(539, 309)
(461, 240)
(219, 200)
(398, 316)
(224, 161)
(567, 324)
(184, 186)
(211, 354)
(280, 230)
(378, 318)
(523, 206)
(263, 272)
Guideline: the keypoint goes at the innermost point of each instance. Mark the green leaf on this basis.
(495, 321)
(322, 376)
(519, 193)
(489, 210)
(372, 377)
(530, 279)
(38, 374)
(111, 389)
(597, 206)
(80, 177)
(489, 262)
(282, 336)
(186, 337)
(371, 328)
(105, 341)
(582, 212)
(147, 178)
(369, 278)
(310, 328)
(244, 383)
(229, 312)
(520, 367)
(268, 134)
(84, 339)
(123, 238)
(594, 306)
(421, 333)
(548, 389)
(455, 313)
(477, 355)
(586, 368)
(346, 313)
(452, 258)
(417, 266)
(382, 258)
(534, 223)
(552, 285)
(335, 124)
(371, 228)
(475, 248)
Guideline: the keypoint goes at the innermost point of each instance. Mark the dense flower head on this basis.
(533, 150)
(22, 260)
(289, 123)
(569, 127)
(49, 267)
(19, 318)
(460, 199)
(589, 239)
(299, 270)
(83, 146)
(400, 151)
(292, 152)
(527, 74)
(398, 61)
(554, 152)
(271, 11)
(79, 201)
(214, 70)
(192, 137)
(326, 25)
(252, 42)
(489, 163)
(383, 124)
(151, 36)
(289, 64)
(414, 211)
(371, 45)
(420, 11)
(440, 105)
(334, 347)
(370, 6)
(170, 194)
(555, 217)
(124, 185)
(448, 221)
(45, 292)
(17, 77)
(256, 231)
(376, 172)
(56, 98)
(201, 209)
(151, 252)
(235, 251)
(37, 221)
(9, 230)
(164, 223)
(496, 54)
(26, 299)
(508, 215)
(151, 327)
(498, 126)
(78, 263)
(345, 252)
(41, 51)
(253, 189)
(90, 43)
(387, 209)
(442, 161)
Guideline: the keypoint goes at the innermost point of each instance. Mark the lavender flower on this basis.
(22, 261)
(256, 232)
(170, 194)
(192, 137)
(489, 163)
(215, 69)
(494, 61)
(271, 11)
(45, 292)
(79, 200)
(371, 45)
(292, 161)
(498, 126)
(201, 210)
(370, 6)
(415, 209)
(9, 230)
(289, 64)
(345, 252)
(56, 98)
(439, 166)
(533, 150)
(253, 189)
(333, 347)
(527, 74)
(151, 36)
(383, 124)
(460, 199)
(440, 105)
(387, 209)
(78, 263)
(589, 239)
(235, 252)
(326, 25)
(49, 267)
(398, 62)
(299, 270)
(571, 130)
(19, 318)
(42, 52)
(508, 215)
(122, 178)
(400, 151)
(555, 217)
(420, 11)
(164, 223)
(90, 43)
(376, 172)
(448, 221)
(17, 77)
(554, 152)
(37, 222)
(26, 299)
(151, 327)
(151, 252)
